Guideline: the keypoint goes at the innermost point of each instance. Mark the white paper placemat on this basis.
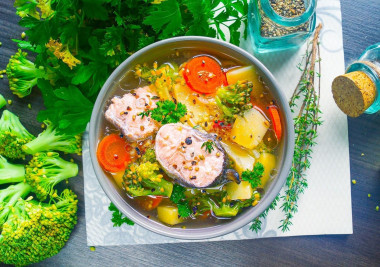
(324, 208)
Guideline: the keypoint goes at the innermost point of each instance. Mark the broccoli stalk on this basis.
(51, 139)
(234, 99)
(33, 231)
(11, 173)
(145, 179)
(45, 170)
(23, 74)
(13, 136)
(3, 102)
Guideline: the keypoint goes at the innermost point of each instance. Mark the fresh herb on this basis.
(209, 146)
(306, 123)
(166, 112)
(254, 176)
(118, 218)
(80, 42)
(178, 197)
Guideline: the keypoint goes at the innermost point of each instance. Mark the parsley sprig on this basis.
(178, 197)
(118, 218)
(254, 176)
(166, 112)
(209, 146)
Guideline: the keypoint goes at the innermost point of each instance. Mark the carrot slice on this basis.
(112, 153)
(204, 75)
(276, 121)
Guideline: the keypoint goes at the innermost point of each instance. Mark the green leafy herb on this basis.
(118, 218)
(80, 42)
(209, 146)
(166, 112)
(254, 176)
(178, 197)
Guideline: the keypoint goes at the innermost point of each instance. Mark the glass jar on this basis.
(357, 91)
(280, 24)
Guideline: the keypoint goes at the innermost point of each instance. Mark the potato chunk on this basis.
(242, 159)
(246, 73)
(168, 214)
(249, 130)
(240, 191)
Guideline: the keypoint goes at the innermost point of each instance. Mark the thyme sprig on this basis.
(306, 123)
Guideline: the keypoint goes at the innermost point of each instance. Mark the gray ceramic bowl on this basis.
(205, 45)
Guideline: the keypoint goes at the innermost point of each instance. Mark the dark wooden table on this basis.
(361, 24)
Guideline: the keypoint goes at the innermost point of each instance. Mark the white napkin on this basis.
(324, 208)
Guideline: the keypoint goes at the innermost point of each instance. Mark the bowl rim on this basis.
(196, 233)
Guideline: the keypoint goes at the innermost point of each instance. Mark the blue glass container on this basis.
(369, 63)
(278, 25)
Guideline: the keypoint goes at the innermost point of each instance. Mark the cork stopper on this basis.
(354, 92)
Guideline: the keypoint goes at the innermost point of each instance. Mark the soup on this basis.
(191, 138)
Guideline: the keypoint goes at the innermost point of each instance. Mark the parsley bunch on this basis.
(178, 197)
(82, 41)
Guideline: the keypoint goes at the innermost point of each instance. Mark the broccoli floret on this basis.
(145, 179)
(13, 136)
(234, 99)
(149, 156)
(29, 8)
(35, 231)
(52, 139)
(11, 173)
(23, 74)
(3, 102)
(45, 170)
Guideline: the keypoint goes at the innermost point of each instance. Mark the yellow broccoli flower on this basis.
(62, 52)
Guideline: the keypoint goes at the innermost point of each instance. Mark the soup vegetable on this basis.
(196, 140)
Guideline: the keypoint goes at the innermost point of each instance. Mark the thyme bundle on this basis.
(306, 122)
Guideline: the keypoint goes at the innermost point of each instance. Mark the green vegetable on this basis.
(33, 231)
(13, 136)
(83, 41)
(254, 176)
(11, 173)
(118, 218)
(234, 99)
(149, 156)
(166, 112)
(45, 170)
(23, 74)
(145, 179)
(178, 197)
(3, 102)
(51, 139)
(209, 146)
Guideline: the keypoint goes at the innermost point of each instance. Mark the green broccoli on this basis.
(23, 74)
(33, 231)
(13, 136)
(234, 99)
(11, 173)
(45, 170)
(52, 139)
(149, 156)
(145, 179)
(3, 102)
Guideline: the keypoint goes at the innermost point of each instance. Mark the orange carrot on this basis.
(112, 153)
(204, 75)
(276, 121)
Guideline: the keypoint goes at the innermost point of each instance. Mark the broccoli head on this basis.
(145, 179)
(234, 99)
(35, 231)
(13, 136)
(3, 102)
(11, 173)
(148, 156)
(45, 170)
(52, 139)
(23, 74)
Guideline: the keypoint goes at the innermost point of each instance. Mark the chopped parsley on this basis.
(254, 176)
(209, 146)
(166, 112)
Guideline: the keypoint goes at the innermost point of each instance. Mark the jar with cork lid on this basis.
(358, 90)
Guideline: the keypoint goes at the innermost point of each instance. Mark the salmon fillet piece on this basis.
(123, 113)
